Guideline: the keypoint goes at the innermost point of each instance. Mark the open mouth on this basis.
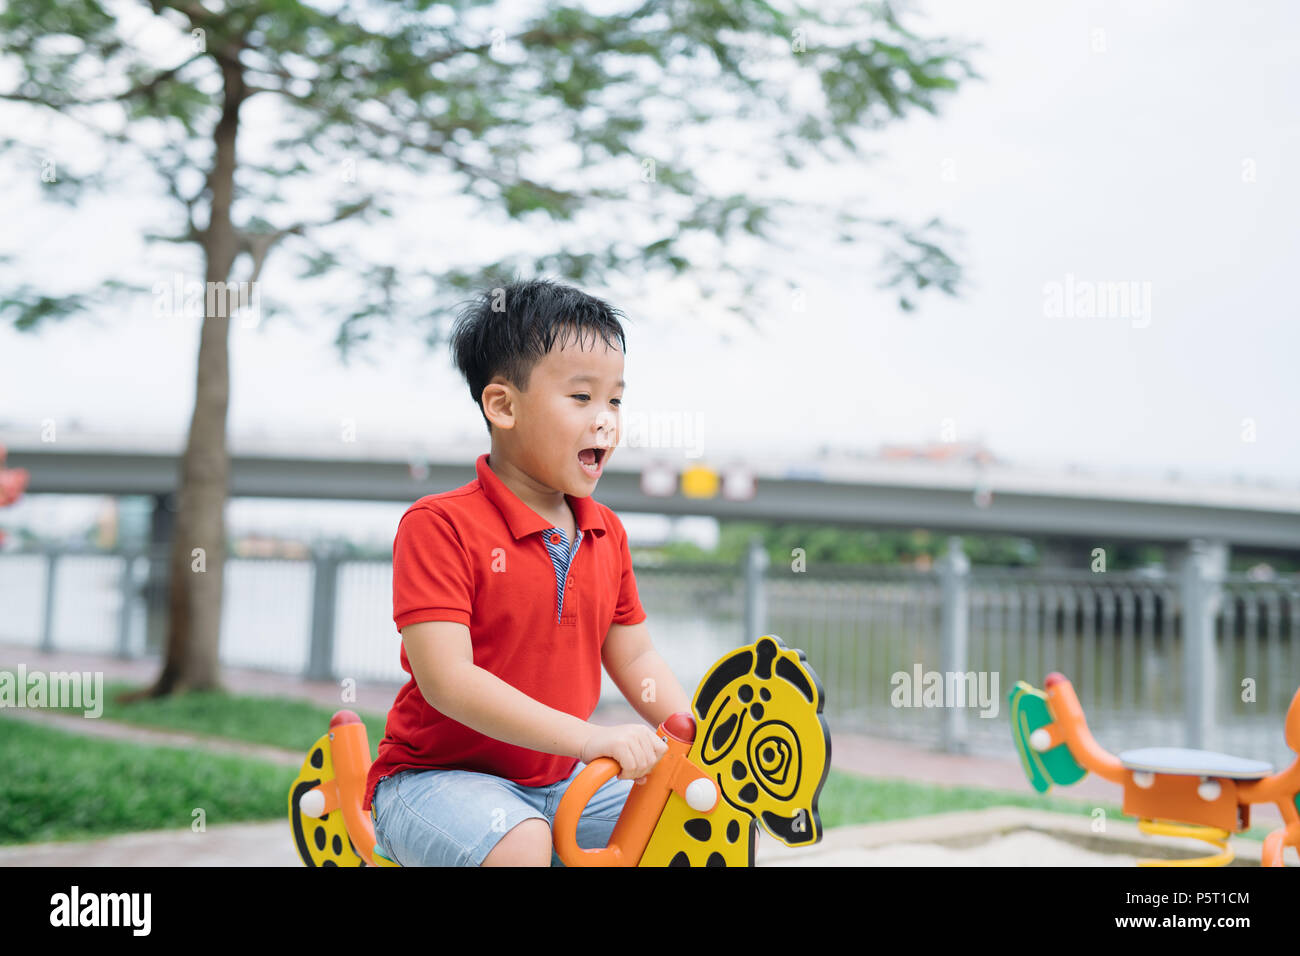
(592, 460)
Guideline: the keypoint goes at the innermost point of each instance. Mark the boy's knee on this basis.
(528, 843)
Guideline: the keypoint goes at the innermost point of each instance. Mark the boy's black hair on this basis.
(505, 331)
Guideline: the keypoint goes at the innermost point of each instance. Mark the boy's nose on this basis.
(607, 428)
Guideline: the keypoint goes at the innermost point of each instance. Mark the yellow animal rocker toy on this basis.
(753, 751)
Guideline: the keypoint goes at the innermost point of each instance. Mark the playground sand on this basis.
(1023, 848)
(1000, 836)
(269, 845)
(996, 836)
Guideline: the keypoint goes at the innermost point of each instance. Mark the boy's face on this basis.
(562, 431)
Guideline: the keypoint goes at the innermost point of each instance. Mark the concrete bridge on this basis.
(1069, 509)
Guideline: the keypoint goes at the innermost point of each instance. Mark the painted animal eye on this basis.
(774, 755)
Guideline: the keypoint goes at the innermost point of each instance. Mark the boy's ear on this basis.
(498, 405)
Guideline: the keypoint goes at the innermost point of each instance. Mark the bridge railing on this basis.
(1191, 659)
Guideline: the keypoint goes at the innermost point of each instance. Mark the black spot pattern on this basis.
(681, 859)
(785, 827)
(338, 845)
(733, 831)
(748, 793)
(700, 829)
(733, 668)
(723, 731)
(785, 668)
(756, 711)
(319, 837)
(738, 769)
(765, 693)
(746, 693)
(715, 859)
(317, 758)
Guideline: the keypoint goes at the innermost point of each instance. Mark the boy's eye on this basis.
(586, 398)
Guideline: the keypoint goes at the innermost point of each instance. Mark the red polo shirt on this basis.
(476, 556)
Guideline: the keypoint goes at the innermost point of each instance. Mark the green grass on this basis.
(64, 786)
(292, 724)
(848, 798)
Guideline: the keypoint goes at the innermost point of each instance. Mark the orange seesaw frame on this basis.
(1178, 798)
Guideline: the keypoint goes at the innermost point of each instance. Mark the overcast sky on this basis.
(1152, 143)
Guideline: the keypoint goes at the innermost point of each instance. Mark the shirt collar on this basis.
(522, 519)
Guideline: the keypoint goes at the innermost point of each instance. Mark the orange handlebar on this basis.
(1068, 714)
(673, 773)
(569, 812)
(351, 755)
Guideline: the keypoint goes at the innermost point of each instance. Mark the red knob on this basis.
(1053, 679)
(681, 726)
(344, 717)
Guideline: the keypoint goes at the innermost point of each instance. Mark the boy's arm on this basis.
(641, 674)
(442, 662)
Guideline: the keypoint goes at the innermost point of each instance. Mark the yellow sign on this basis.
(699, 481)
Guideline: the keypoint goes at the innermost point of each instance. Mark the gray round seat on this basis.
(1194, 763)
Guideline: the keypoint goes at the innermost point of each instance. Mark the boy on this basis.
(509, 593)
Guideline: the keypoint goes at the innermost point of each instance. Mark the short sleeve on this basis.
(629, 610)
(432, 578)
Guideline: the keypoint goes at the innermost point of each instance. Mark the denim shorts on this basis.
(456, 817)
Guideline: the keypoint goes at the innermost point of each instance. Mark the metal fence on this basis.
(1200, 658)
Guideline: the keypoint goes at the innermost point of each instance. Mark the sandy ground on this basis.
(998, 836)
(1001, 836)
(1022, 848)
(270, 845)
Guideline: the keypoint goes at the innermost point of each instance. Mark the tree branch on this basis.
(258, 245)
(139, 89)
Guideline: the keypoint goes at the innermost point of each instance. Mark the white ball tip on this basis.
(701, 795)
(1040, 739)
(312, 803)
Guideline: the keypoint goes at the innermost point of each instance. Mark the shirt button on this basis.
(555, 539)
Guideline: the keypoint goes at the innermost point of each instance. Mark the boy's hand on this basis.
(636, 747)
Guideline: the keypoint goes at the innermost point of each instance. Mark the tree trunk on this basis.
(198, 548)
